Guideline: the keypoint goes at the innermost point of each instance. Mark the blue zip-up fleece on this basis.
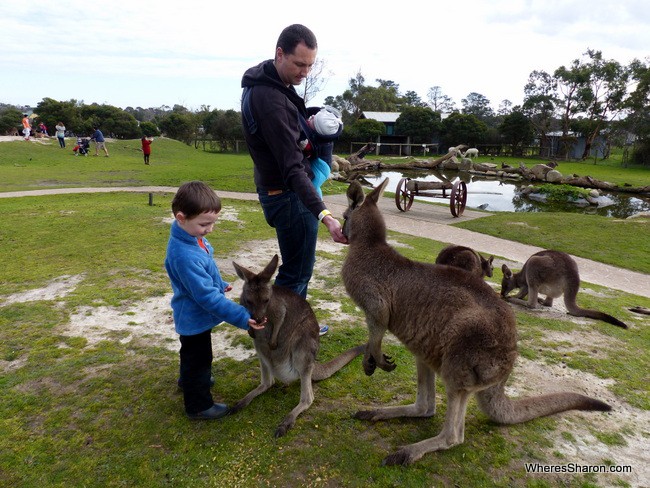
(199, 302)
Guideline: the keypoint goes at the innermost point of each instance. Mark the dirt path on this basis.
(430, 221)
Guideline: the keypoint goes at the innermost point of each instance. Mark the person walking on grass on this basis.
(271, 112)
(199, 302)
(60, 134)
(100, 142)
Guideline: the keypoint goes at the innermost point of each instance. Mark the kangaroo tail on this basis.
(501, 409)
(325, 370)
(595, 314)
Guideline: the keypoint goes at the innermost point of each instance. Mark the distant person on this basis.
(60, 134)
(100, 142)
(199, 302)
(27, 127)
(146, 148)
(42, 128)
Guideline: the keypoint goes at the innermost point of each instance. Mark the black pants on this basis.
(196, 369)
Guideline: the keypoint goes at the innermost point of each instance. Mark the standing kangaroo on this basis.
(467, 259)
(552, 273)
(288, 345)
(454, 324)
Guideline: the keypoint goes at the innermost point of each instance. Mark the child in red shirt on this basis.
(146, 148)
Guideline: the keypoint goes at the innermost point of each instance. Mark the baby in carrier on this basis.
(321, 129)
(83, 143)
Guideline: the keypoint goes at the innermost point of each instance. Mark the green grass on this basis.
(77, 412)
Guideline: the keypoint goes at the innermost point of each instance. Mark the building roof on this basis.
(385, 117)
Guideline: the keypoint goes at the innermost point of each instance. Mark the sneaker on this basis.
(216, 411)
(323, 330)
(180, 382)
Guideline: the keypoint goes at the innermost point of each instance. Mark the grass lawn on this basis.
(88, 364)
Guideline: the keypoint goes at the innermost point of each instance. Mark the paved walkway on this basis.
(424, 220)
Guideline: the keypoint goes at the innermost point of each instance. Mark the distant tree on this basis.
(440, 102)
(113, 121)
(602, 98)
(540, 99)
(479, 106)
(637, 106)
(420, 123)
(505, 108)
(462, 129)
(412, 99)
(517, 130)
(570, 82)
(179, 126)
(225, 128)
(365, 130)
(149, 129)
(9, 119)
(51, 111)
(316, 80)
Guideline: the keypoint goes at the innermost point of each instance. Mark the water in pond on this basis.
(499, 195)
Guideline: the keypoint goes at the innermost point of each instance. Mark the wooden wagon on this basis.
(407, 189)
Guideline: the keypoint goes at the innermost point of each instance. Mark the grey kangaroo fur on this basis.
(552, 273)
(466, 258)
(454, 324)
(288, 345)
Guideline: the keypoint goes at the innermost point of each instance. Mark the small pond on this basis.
(498, 195)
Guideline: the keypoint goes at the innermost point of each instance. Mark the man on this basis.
(271, 115)
(100, 142)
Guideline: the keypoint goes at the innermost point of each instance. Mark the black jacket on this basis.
(274, 135)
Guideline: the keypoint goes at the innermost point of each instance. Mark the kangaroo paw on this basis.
(369, 365)
(365, 415)
(283, 428)
(236, 408)
(387, 364)
(273, 346)
(401, 457)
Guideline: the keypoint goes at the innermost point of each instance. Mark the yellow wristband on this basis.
(323, 214)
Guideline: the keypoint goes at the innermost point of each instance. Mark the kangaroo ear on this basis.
(378, 191)
(506, 271)
(490, 259)
(270, 269)
(355, 194)
(242, 272)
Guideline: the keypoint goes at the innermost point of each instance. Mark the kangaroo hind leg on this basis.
(452, 433)
(425, 402)
(306, 399)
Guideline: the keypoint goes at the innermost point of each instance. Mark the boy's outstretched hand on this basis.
(256, 325)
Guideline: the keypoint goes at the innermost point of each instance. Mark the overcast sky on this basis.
(154, 53)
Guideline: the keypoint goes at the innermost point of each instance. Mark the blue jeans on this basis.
(297, 232)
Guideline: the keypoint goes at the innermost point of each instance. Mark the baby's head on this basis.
(326, 122)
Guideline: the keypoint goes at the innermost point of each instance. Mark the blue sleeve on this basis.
(211, 298)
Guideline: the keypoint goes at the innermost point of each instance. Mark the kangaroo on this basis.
(553, 273)
(454, 324)
(288, 345)
(467, 259)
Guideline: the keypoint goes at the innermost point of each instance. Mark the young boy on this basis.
(199, 302)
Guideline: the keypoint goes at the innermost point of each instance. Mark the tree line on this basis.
(591, 97)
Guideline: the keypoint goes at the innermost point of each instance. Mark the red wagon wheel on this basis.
(458, 198)
(403, 197)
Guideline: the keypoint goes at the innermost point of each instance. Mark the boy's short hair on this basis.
(194, 198)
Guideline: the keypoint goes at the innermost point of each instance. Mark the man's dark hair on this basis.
(195, 198)
(293, 35)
